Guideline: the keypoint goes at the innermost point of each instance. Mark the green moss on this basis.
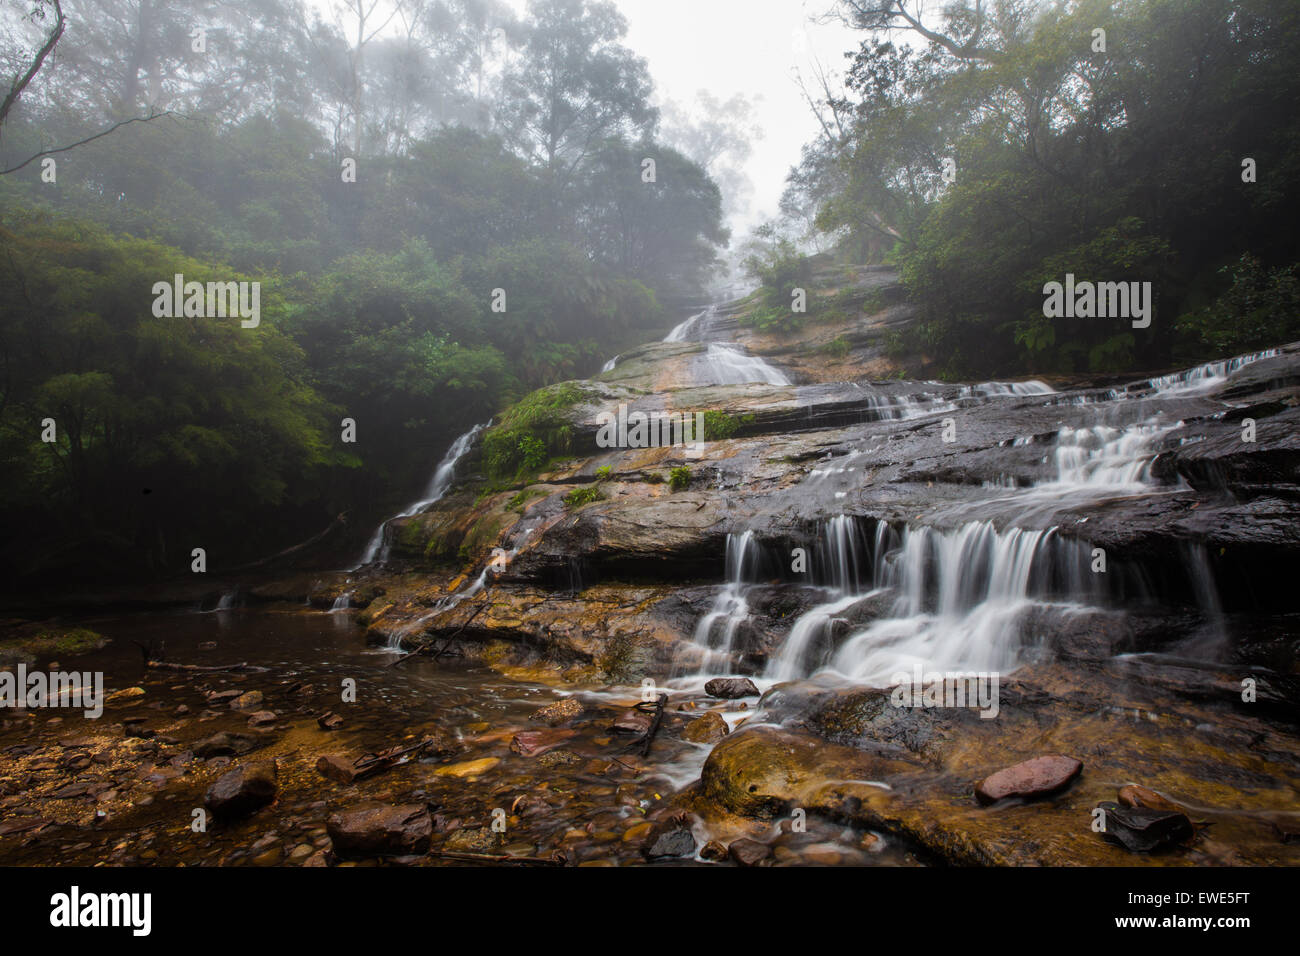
(532, 432)
(522, 498)
(604, 472)
(679, 478)
(654, 478)
(30, 644)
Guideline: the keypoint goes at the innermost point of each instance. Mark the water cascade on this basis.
(377, 549)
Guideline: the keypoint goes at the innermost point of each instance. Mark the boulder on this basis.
(731, 688)
(747, 852)
(381, 830)
(708, 729)
(243, 790)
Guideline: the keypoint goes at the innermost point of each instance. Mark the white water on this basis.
(683, 330)
(727, 365)
(715, 633)
(960, 596)
(1207, 376)
(377, 549)
(611, 364)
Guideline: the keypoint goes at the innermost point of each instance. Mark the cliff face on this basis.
(1119, 554)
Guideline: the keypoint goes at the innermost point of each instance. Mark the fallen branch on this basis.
(147, 652)
(424, 648)
(368, 764)
(655, 707)
(338, 522)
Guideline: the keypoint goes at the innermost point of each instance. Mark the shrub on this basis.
(679, 478)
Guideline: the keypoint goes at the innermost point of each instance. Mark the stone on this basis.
(632, 721)
(125, 695)
(670, 838)
(469, 768)
(747, 852)
(559, 712)
(1038, 777)
(1141, 831)
(713, 851)
(252, 700)
(336, 767)
(708, 729)
(262, 717)
(731, 688)
(532, 743)
(223, 745)
(241, 791)
(381, 830)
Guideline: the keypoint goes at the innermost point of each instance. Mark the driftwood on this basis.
(424, 648)
(368, 764)
(655, 707)
(147, 652)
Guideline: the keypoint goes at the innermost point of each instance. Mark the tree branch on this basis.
(89, 139)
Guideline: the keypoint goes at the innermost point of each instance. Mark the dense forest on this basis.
(442, 218)
(1013, 142)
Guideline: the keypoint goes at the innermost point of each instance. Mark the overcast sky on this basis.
(741, 46)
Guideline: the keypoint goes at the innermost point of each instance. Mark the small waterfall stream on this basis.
(377, 548)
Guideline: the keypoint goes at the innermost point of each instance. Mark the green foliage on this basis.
(583, 496)
(679, 478)
(837, 347)
(604, 472)
(1260, 308)
(719, 426)
(532, 432)
(1123, 167)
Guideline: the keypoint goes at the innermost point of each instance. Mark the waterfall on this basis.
(959, 596)
(993, 389)
(1206, 376)
(342, 602)
(715, 633)
(727, 365)
(377, 548)
(228, 600)
(682, 330)
(610, 365)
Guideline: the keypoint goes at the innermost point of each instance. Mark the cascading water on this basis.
(1207, 376)
(683, 330)
(727, 365)
(377, 548)
(715, 633)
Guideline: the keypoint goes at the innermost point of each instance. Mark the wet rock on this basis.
(475, 840)
(252, 700)
(533, 743)
(1038, 777)
(468, 769)
(708, 729)
(713, 851)
(381, 830)
(224, 745)
(559, 712)
(262, 717)
(731, 688)
(670, 838)
(559, 758)
(221, 696)
(329, 721)
(241, 791)
(1135, 795)
(747, 852)
(336, 767)
(632, 722)
(126, 695)
(1141, 831)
